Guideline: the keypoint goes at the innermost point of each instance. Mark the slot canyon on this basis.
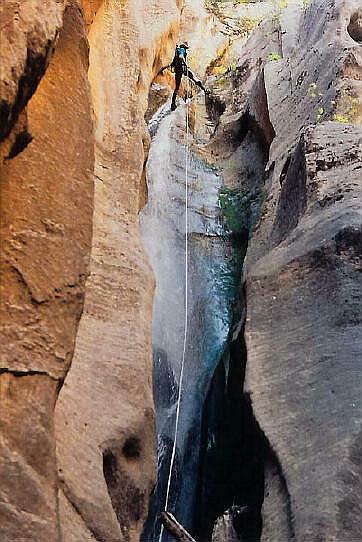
(196, 269)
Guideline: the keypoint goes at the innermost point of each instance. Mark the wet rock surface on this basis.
(214, 259)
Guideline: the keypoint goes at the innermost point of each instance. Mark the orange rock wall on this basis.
(72, 155)
(46, 226)
(106, 405)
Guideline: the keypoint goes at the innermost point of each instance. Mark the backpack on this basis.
(181, 52)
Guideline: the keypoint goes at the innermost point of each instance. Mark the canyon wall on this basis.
(74, 86)
(270, 431)
(104, 416)
(46, 227)
(302, 267)
(303, 282)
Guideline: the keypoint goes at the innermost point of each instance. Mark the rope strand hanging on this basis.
(173, 455)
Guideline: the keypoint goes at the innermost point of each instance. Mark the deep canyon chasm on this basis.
(92, 272)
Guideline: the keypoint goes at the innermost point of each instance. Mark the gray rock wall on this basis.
(303, 283)
(282, 164)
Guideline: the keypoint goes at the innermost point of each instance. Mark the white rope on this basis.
(173, 455)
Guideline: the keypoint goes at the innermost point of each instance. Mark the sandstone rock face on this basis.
(275, 173)
(46, 224)
(47, 155)
(287, 147)
(104, 416)
(303, 284)
(317, 264)
(28, 31)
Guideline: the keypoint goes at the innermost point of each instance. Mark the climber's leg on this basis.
(178, 77)
(196, 81)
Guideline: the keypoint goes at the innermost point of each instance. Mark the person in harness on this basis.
(180, 68)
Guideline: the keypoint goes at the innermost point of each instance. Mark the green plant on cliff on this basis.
(342, 119)
(274, 57)
(320, 114)
(312, 90)
(220, 83)
(233, 66)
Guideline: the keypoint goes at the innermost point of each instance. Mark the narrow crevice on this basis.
(239, 470)
(234, 452)
(249, 124)
(232, 456)
(255, 119)
(285, 170)
(230, 463)
(215, 108)
(293, 194)
(220, 462)
(19, 373)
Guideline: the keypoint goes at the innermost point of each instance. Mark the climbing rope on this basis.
(173, 455)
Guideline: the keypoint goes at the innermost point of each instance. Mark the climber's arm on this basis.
(164, 68)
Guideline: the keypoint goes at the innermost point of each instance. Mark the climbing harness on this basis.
(173, 455)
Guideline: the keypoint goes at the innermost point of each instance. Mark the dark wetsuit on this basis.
(180, 68)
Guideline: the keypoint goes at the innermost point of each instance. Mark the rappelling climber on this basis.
(179, 67)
